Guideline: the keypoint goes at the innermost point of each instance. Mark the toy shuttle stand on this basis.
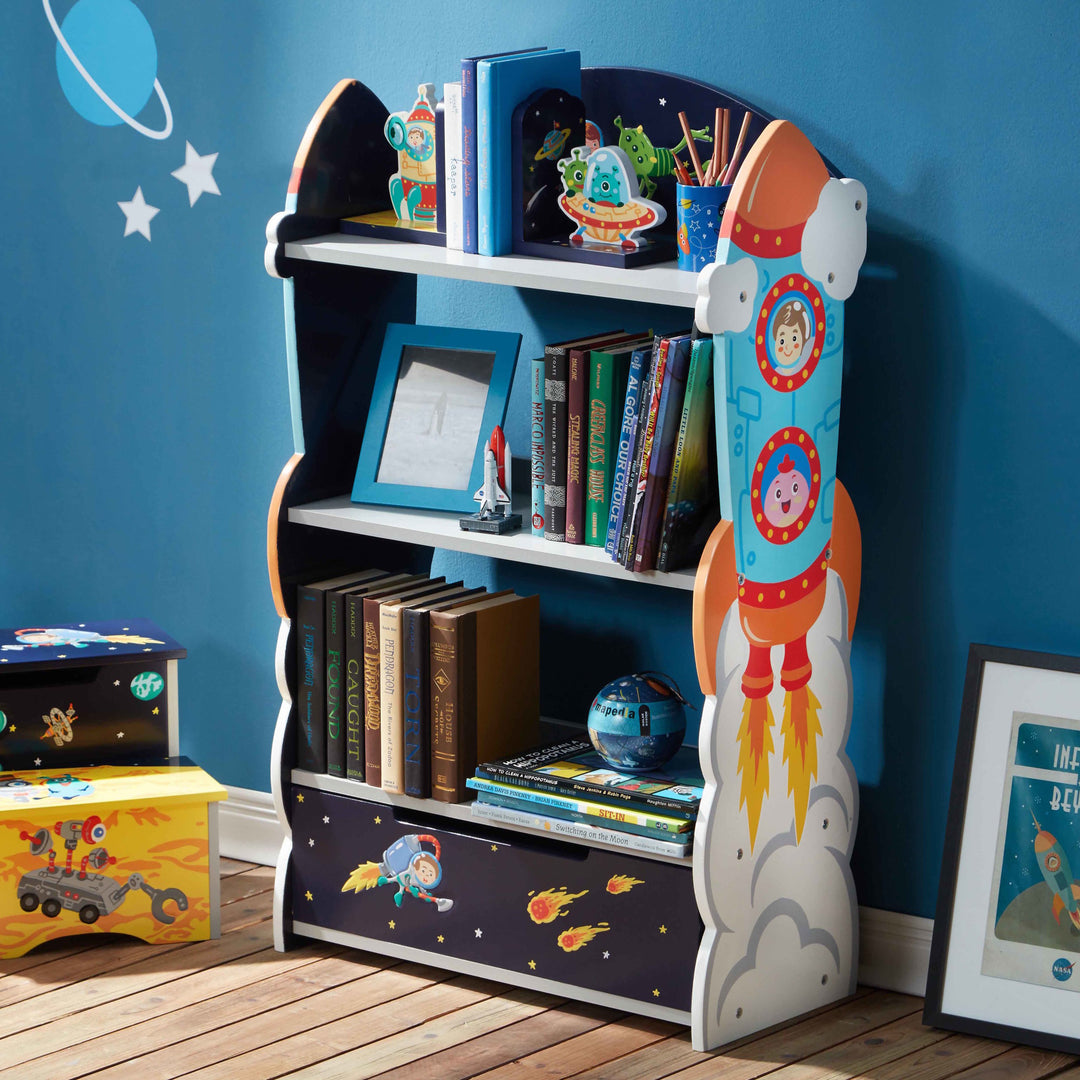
(494, 515)
(776, 594)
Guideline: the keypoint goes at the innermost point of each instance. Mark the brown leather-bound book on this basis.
(418, 585)
(485, 687)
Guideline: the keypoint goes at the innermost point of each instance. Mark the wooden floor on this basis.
(235, 1009)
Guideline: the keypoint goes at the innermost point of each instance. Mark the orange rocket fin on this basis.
(846, 547)
(1058, 906)
(800, 731)
(714, 593)
(755, 746)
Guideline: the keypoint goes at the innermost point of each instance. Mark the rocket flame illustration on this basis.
(578, 936)
(365, 876)
(800, 730)
(755, 746)
(621, 883)
(548, 905)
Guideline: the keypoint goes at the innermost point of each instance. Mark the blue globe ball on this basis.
(637, 722)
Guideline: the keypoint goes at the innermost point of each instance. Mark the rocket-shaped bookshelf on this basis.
(761, 924)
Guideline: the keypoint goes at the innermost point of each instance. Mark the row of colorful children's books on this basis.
(405, 681)
(477, 131)
(567, 789)
(623, 454)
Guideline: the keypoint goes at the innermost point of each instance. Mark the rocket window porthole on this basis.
(789, 334)
(783, 502)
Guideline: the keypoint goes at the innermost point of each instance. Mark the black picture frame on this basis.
(1039, 693)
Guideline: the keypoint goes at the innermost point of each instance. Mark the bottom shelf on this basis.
(522, 909)
(462, 812)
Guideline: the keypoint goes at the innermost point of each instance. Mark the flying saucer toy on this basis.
(609, 209)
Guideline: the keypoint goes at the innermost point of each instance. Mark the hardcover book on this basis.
(336, 674)
(415, 673)
(536, 372)
(577, 396)
(455, 209)
(668, 415)
(468, 146)
(574, 768)
(485, 686)
(353, 601)
(556, 378)
(311, 670)
(692, 500)
(501, 82)
(633, 466)
(638, 368)
(371, 603)
(608, 373)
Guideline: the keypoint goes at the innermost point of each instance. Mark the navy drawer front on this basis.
(90, 714)
(598, 920)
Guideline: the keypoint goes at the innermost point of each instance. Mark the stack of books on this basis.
(567, 789)
(478, 112)
(405, 681)
(623, 455)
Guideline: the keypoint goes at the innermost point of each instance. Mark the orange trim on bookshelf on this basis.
(714, 593)
(847, 550)
(272, 519)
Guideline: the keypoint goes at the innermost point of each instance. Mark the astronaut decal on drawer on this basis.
(415, 871)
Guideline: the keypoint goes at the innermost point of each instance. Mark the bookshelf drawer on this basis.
(593, 920)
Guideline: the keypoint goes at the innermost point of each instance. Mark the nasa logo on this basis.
(1062, 970)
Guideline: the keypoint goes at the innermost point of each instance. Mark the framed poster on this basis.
(1005, 958)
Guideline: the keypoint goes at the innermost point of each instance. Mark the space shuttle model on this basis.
(494, 515)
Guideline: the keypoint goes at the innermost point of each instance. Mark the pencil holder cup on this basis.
(698, 212)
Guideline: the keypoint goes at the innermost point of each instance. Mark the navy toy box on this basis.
(98, 693)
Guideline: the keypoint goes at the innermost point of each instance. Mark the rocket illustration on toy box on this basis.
(791, 244)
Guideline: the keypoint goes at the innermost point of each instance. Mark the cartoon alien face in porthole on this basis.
(787, 485)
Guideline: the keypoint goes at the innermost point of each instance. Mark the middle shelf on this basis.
(430, 528)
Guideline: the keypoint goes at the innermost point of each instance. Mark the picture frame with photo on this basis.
(1005, 956)
(438, 393)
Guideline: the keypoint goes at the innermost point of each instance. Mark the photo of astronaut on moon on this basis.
(435, 417)
(1033, 928)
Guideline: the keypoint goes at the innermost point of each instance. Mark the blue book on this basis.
(468, 143)
(501, 84)
(536, 429)
(638, 361)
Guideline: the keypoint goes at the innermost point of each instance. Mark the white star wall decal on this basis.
(197, 173)
(138, 213)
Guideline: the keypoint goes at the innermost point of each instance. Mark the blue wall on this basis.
(144, 403)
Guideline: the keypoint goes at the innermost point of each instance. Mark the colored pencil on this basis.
(692, 148)
(681, 173)
(713, 171)
(727, 139)
(729, 176)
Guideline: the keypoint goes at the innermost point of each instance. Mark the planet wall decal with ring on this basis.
(106, 61)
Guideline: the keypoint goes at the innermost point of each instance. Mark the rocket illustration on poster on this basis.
(1033, 925)
(778, 592)
(107, 66)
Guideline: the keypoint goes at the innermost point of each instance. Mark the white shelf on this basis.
(663, 283)
(430, 528)
(355, 789)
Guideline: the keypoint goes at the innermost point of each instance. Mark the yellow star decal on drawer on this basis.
(656, 993)
(532, 964)
(155, 710)
(299, 796)
(392, 924)
(440, 939)
(378, 820)
(308, 895)
(494, 847)
(663, 929)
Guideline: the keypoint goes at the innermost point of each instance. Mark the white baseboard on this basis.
(249, 829)
(894, 949)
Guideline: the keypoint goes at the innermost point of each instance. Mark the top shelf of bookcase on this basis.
(663, 283)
